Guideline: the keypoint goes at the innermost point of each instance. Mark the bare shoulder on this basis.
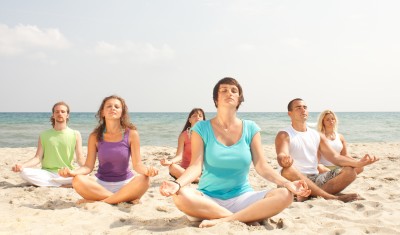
(133, 134)
(182, 135)
(93, 136)
(282, 135)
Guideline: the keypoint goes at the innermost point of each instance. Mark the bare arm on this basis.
(282, 142)
(169, 188)
(80, 159)
(261, 165)
(321, 168)
(31, 162)
(178, 154)
(137, 163)
(344, 143)
(267, 172)
(89, 163)
(339, 160)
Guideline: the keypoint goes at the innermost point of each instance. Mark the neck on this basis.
(113, 127)
(60, 126)
(329, 132)
(300, 128)
(226, 119)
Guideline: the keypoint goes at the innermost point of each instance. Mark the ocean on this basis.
(22, 129)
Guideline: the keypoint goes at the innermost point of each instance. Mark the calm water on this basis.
(162, 129)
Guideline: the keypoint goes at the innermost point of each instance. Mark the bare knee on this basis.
(291, 173)
(143, 180)
(287, 197)
(359, 170)
(284, 196)
(350, 172)
(77, 181)
(181, 199)
(175, 170)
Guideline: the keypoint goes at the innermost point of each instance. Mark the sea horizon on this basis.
(21, 129)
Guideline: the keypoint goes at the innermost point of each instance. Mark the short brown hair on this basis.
(229, 81)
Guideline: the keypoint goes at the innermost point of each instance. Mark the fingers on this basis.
(65, 172)
(165, 189)
(16, 168)
(369, 159)
(151, 171)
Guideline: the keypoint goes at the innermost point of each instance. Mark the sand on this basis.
(26, 209)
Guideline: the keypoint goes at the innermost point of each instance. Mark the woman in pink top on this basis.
(184, 150)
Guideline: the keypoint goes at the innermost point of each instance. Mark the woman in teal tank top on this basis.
(223, 149)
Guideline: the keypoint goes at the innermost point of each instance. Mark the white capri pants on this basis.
(43, 178)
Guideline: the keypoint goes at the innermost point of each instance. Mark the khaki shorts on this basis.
(321, 179)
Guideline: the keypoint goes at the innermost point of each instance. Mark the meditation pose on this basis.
(115, 142)
(184, 150)
(57, 148)
(223, 149)
(297, 148)
(328, 124)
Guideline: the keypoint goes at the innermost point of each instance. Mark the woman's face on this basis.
(329, 121)
(112, 109)
(228, 94)
(197, 116)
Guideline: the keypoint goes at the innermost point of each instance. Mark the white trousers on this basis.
(44, 178)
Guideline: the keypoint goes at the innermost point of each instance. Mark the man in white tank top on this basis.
(297, 153)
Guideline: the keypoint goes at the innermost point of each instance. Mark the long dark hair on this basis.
(124, 120)
(188, 124)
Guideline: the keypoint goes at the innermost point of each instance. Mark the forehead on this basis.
(329, 115)
(298, 103)
(60, 107)
(198, 112)
(113, 101)
(227, 85)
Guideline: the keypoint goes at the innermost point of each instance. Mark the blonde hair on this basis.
(320, 125)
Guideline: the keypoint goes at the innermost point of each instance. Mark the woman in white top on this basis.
(328, 125)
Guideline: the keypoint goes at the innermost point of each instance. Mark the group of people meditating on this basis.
(215, 153)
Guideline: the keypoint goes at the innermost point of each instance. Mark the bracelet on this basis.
(176, 182)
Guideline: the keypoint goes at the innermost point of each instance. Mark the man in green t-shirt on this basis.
(57, 148)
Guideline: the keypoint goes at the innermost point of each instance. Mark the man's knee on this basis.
(291, 173)
(350, 172)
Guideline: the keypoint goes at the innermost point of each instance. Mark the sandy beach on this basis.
(26, 209)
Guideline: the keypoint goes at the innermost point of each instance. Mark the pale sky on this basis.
(166, 56)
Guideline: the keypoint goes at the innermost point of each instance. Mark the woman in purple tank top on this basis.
(114, 141)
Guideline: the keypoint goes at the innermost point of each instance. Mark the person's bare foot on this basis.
(301, 199)
(136, 201)
(81, 201)
(209, 223)
(256, 223)
(349, 197)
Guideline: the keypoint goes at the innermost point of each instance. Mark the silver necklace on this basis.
(222, 126)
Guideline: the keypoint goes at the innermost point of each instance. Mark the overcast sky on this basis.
(166, 56)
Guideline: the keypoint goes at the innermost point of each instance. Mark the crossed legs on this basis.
(193, 203)
(90, 190)
(330, 188)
